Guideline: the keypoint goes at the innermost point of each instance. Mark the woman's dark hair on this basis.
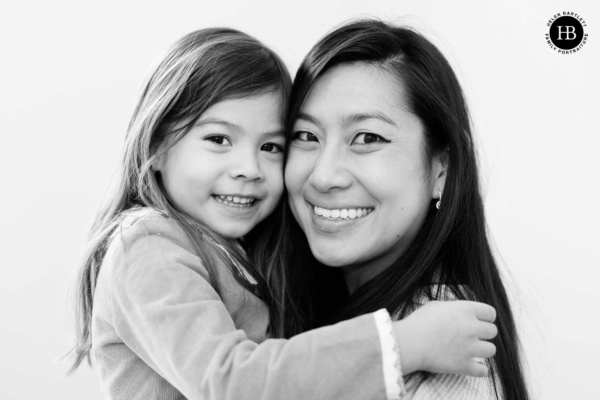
(451, 248)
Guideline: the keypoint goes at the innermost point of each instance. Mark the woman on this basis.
(382, 180)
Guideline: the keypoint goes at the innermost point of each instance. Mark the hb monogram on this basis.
(569, 33)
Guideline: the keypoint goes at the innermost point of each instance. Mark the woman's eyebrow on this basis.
(309, 118)
(359, 117)
(350, 119)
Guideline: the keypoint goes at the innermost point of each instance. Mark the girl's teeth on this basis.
(344, 213)
(235, 200)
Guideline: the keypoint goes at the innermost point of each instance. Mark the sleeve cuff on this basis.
(390, 356)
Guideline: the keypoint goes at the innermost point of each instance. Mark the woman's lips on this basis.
(342, 213)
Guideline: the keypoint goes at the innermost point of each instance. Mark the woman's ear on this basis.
(439, 169)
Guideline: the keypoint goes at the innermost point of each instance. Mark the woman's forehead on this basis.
(355, 92)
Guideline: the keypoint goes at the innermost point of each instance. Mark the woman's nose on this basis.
(330, 171)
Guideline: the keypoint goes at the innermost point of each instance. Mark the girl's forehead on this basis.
(274, 96)
(256, 113)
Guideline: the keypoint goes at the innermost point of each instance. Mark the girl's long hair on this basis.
(452, 246)
(200, 70)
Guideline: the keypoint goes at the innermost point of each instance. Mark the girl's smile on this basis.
(237, 205)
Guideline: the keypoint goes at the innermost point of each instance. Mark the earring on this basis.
(439, 202)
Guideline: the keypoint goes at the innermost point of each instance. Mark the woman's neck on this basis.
(358, 274)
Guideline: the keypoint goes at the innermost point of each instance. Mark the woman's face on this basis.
(358, 177)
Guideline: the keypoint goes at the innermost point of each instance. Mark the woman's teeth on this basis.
(234, 200)
(344, 213)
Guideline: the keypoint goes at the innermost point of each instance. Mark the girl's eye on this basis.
(219, 139)
(304, 136)
(368, 138)
(271, 148)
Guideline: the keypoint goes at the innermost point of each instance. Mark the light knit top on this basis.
(428, 386)
(160, 330)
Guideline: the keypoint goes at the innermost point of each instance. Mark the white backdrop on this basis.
(70, 76)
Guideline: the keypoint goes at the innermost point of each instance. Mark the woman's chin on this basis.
(332, 258)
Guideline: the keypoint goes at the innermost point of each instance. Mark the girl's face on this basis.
(227, 172)
(359, 182)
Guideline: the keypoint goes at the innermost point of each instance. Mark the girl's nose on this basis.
(330, 171)
(246, 167)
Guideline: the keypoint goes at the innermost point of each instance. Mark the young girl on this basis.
(182, 283)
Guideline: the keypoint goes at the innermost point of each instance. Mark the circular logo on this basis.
(566, 32)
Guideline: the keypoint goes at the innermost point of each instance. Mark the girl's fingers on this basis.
(485, 312)
(487, 331)
(476, 369)
(483, 349)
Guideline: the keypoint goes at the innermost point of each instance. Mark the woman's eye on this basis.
(304, 136)
(219, 139)
(271, 148)
(368, 138)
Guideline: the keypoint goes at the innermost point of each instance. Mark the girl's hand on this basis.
(445, 337)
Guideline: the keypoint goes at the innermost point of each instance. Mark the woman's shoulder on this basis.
(422, 385)
(438, 292)
(443, 292)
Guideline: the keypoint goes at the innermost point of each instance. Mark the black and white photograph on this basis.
(272, 200)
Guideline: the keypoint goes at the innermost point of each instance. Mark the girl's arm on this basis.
(164, 309)
(156, 296)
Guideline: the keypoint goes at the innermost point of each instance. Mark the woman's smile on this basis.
(332, 219)
(341, 214)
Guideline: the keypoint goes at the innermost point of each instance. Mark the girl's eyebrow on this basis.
(215, 121)
(273, 134)
(237, 128)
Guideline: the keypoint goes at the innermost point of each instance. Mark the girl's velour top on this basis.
(160, 330)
